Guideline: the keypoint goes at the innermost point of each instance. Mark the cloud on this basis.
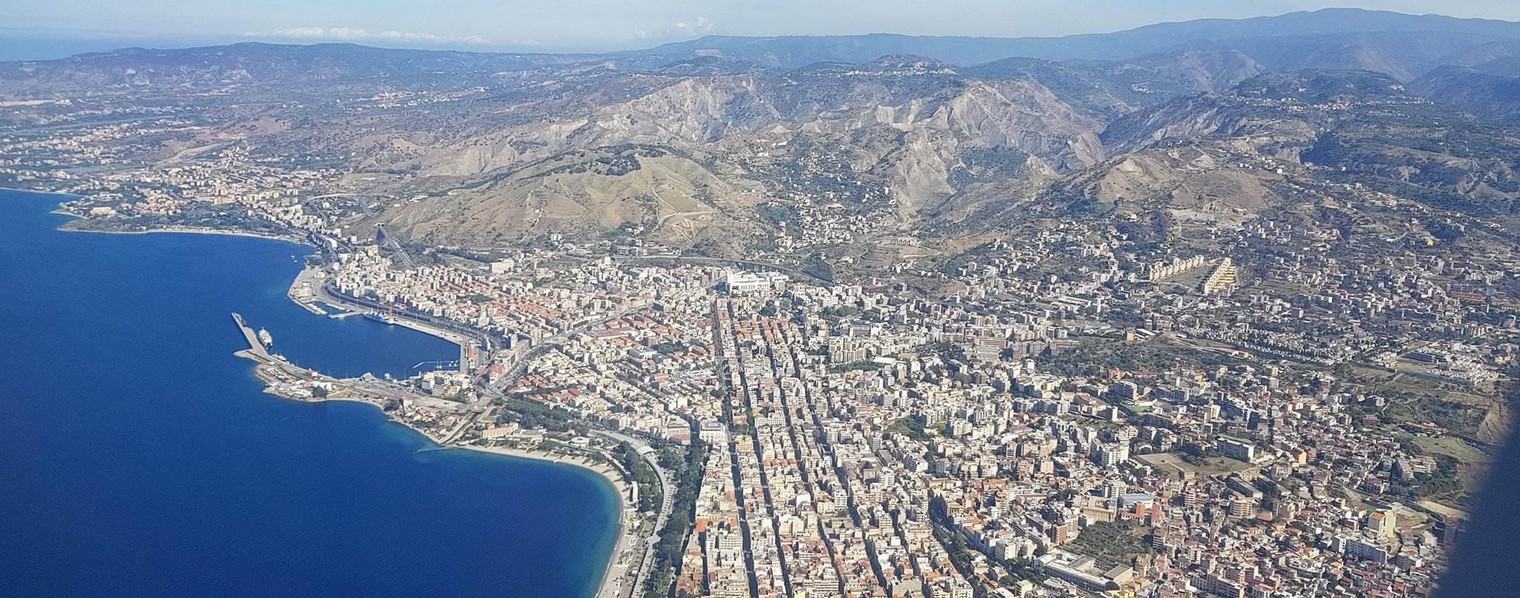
(353, 34)
(701, 26)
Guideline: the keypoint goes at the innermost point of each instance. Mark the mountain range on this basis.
(915, 147)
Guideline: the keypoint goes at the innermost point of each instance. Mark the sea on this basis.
(139, 457)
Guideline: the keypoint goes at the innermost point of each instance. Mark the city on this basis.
(1255, 339)
(854, 440)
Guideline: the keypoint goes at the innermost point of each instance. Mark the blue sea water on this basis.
(139, 457)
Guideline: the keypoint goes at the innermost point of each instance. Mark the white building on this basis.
(739, 283)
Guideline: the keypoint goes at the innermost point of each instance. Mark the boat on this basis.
(379, 317)
(265, 338)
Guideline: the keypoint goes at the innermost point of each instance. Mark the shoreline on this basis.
(400, 320)
(422, 327)
(623, 538)
(619, 542)
(38, 192)
(176, 231)
(404, 322)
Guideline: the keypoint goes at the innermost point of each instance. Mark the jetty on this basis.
(254, 345)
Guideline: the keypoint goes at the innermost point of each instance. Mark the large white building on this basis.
(739, 283)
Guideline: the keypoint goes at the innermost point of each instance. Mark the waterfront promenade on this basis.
(626, 566)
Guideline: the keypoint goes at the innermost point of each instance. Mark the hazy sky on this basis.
(615, 24)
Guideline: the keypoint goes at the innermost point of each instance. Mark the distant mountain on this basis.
(1113, 88)
(1369, 38)
(1507, 66)
(727, 145)
(255, 63)
(1492, 97)
(1272, 147)
(1402, 55)
(1134, 67)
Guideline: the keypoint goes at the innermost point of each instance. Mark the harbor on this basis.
(256, 347)
(174, 437)
(310, 291)
(454, 425)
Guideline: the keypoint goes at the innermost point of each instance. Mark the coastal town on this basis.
(1281, 407)
(856, 439)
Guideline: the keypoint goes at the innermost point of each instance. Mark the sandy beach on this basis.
(624, 541)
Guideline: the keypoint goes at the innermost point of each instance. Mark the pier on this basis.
(254, 346)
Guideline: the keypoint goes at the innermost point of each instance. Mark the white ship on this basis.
(265, 338)
(379, 317)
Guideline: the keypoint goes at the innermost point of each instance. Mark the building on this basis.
(1237, 449)
(1358, 548)
(1220, 278)
(1109, 455)
(1160, 270)
(1074, 569)
(1383, 523)
(712, 432)
(1214, 585)
(1241, 507)
(740, 283)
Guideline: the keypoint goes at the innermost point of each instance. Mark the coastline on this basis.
(161, 229)
(622, 540)
(327, 498)
(182, 231)
(404, 322)
(38, 191)
(176, 230)
(400, 320)
(623, 537)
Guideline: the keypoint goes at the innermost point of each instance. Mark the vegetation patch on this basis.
(1110, 543)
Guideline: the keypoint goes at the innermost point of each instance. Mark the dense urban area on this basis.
(1291, 404)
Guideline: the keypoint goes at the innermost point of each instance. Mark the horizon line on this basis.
(192, 41)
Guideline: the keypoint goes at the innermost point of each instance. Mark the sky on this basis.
(574, 25)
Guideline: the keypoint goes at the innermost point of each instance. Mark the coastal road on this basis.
(493, 393)
(667, 499)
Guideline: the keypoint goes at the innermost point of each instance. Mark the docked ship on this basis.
(265, 338)
(379, 317)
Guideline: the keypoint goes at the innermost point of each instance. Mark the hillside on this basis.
(832, 146)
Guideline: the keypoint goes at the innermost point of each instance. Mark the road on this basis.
(494, 393)
(667, 499)
(720, 260)
(518, 367)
